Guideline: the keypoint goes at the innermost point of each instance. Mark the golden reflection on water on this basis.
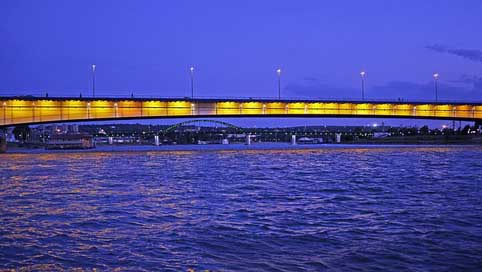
(100, 154)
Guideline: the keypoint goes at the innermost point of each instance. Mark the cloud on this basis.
(314, 87)
(470, 54)
(404, 90)
(467, 87)
(474, 81)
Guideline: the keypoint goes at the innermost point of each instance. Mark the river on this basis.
(341, 208)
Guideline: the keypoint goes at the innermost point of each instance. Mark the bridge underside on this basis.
(31, 110)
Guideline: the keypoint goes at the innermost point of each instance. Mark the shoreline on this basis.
(230, 147)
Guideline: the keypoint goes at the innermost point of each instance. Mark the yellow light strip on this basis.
(17, 111)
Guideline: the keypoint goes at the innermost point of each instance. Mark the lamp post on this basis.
(191, 69)
(278, 71)
(93, 80)
(435, 81)
(362, 74)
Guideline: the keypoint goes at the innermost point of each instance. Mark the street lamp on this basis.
(278, 71)
(435, 81)
(93, 80)
(362, 74)
(191, 69)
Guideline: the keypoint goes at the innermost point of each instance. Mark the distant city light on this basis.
(375, 125)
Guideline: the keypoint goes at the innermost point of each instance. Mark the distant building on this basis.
(70, 141)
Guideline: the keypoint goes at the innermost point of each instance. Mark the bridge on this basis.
(25, 110)
(198, 122)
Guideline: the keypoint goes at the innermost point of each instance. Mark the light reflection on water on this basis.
(356, 208)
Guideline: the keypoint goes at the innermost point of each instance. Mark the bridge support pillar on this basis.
(338, 138)
(111, 140)
(3, 141)
(293, 139)
(248, 139)
(156, 140)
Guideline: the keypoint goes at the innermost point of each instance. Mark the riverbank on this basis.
(229, 147)
(403, 141)
(424, 140)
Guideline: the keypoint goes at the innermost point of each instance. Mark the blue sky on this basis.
(146, 47)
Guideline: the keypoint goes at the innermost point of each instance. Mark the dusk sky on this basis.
(147, 47)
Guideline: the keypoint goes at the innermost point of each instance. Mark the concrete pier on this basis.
(3, 142)
(248, 140)
(293, 139)
(156, 140)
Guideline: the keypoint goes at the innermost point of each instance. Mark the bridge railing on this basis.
(27, 96)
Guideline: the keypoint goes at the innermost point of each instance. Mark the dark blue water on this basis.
(334, 209)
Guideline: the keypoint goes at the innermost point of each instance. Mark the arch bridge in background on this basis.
(196, 121)
(39, 110)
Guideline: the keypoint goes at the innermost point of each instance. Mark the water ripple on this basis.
(336, 209)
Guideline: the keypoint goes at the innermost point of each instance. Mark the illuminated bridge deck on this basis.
(36, 110)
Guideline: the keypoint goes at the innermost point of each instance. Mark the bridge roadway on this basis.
(38, 110)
